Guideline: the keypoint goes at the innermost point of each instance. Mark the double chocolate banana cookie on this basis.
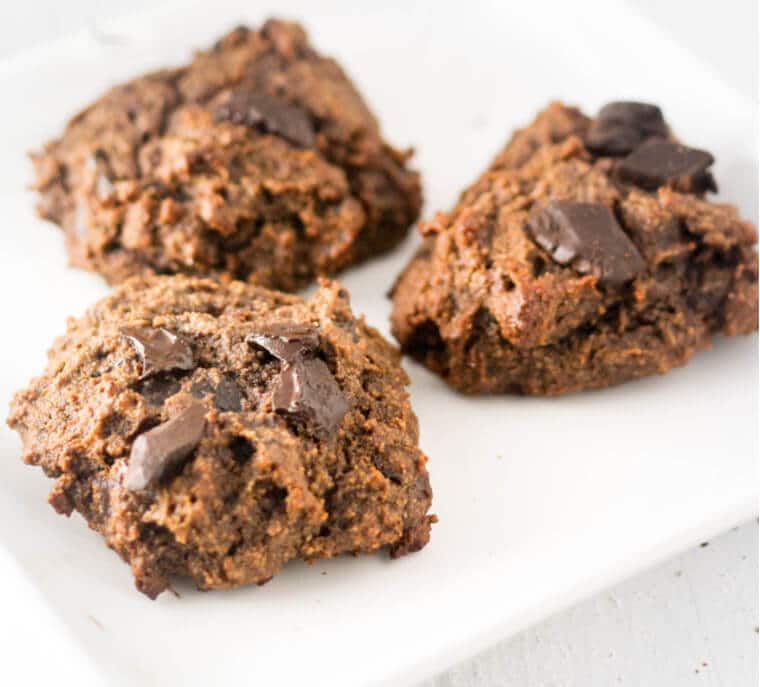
(586, 255)
(258, 161)
(217, 431)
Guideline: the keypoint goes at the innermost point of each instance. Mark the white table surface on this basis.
(692, 620)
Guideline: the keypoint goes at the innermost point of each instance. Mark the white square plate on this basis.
(541, 501)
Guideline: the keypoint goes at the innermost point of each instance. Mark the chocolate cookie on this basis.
(217, 431)
(257, 161)
(585, 256)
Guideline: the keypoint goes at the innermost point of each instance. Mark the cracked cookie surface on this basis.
(257, 161)
(585, 256)
(217, 431)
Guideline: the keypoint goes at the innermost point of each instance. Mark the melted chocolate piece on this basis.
(662, 163)
(159, 350)
(307, 391)
(261, 111)
(158, 388)
(286, 341)
(201, 388)
(587, 237)
(622, 126)
(305, 388)
(163, 449)
(227, 396)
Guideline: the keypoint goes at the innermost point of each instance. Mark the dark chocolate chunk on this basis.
(159, 349)
(156, 389)
(259, 110)
(307, 391)
(163, 449)
(622, 126)
(227, 396)
(201, 388)
(662, 163)
(587, 237)
(286, 342)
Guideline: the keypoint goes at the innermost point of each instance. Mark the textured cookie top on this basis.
(259, 160)
(218, 431)
(578, 224)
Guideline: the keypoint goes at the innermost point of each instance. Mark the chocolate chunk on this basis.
(201, 388)
(262, 111)
(159, 350)
(662, 163)
(307, 391)
(227, 396)
(286, 342)
(163, 449)
(158, 388)
(622, 126)
(587, 237)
